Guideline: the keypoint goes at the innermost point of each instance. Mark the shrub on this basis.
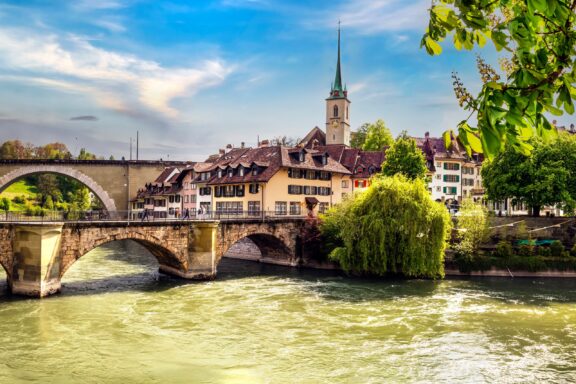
(392, 227)
(526, 250)
(19, 199)
(543, 251)
(503, 250)
(556, 248)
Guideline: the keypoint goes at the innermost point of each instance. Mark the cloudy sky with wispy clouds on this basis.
(193, 76)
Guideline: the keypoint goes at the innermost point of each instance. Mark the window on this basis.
(451, 178)
(280, 208)
(204, 176)
(171, 199)
(254, 170)
(171, 211)
(344, 183)
(311, 175)
(301, 156)
(468, 182)
(306, 190)
(324, 159)
(229, 207)
(438, 189)
(467, 170)
(205, 191)
(185, 198)
(335, 111)
(325, 175)
(241, 171)
(324, 191)
(452, 166)
(177, 198)
(192, 186)
(439, 176)
(254, 188)
(294, 190)
(296, 173)
(240, 191)
(192, 198)
(230, 172)
(450, 190)
(219, 173)
(360, 183)
(323, 207)
(253, 208)
(217, 191)
(160, 203)
(295, 208)
(438, 165)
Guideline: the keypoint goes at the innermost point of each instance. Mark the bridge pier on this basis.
(36, 260)
(202, 253)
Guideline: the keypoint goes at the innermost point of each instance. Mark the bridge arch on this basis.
(96, 188)
(163, 254)
(273, 247)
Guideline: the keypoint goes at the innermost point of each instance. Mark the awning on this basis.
(311, 200)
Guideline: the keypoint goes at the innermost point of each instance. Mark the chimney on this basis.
(427, 135)
(242, 145)
(228, 147)
(264, 143)
(221, 151)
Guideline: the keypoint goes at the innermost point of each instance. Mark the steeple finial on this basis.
(338, 80)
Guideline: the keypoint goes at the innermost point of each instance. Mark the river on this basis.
(119, 321)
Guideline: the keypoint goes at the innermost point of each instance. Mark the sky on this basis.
(194, 76)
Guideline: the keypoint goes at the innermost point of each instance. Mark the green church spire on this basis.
(337, 91)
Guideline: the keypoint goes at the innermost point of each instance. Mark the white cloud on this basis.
(117, 81)
(375, 16)
(99, 4)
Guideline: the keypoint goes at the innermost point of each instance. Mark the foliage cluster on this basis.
(372, 137)
(472, 229)
(546, 177)
(538, 36)
(392, 227)
(404, 157)
(15, 149)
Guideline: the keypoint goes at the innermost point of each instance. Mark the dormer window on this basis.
(301, 156)
(324, 159)
(230, 172)
(241, 171)
(219, 173)
(254, 170)
(359, 170)
(335, 111)
(371, 170)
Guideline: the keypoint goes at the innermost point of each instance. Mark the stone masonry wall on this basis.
(6, 259)
(168, 243)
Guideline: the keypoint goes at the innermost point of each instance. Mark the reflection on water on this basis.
(119, 321)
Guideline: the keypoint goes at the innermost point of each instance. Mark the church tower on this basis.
(337, 109)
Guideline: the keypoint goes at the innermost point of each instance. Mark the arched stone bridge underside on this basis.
(114, 182)
(36, 256)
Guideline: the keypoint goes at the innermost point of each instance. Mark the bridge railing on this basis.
(141, 216)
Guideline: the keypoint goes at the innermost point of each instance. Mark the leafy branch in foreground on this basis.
(539, 37)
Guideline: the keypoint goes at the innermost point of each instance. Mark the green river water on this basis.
(119, 321)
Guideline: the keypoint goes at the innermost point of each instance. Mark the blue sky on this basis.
(193, 76)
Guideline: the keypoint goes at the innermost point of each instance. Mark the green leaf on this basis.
(494, 85)
(553, 110)
(447, 136)
(490, 142)
(539, 5)
(432, 47)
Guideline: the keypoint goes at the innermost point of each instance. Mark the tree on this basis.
(406, 158)
(15, 149)
(85, 155)
(378, 137)
(472, 229)
(392, 227)
(359, 137)
(537, 180)
(539, 37)
(5, 204)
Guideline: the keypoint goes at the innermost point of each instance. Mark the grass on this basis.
(19, 188)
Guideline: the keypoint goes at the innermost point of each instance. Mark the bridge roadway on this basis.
(36, 255)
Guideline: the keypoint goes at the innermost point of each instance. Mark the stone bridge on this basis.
(37, 255)
(112, 181)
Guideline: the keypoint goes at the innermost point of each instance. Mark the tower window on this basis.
(335, 111)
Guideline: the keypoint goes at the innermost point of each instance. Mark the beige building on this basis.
(274, 181)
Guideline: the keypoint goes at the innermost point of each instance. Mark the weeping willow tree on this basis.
(393, 227)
